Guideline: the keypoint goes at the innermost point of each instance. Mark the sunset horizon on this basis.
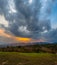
(28, 32)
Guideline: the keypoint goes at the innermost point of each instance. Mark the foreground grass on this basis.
(15, 58)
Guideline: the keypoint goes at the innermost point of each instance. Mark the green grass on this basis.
(15, 58)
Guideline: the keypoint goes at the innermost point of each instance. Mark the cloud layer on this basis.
(28, 18)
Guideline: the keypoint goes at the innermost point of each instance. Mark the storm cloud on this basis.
(27, 18)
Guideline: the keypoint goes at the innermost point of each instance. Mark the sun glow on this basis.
(21, 39)
(4, 34)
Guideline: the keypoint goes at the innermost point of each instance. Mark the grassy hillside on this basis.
(15, 58)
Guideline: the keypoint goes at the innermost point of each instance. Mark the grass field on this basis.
(15, 58)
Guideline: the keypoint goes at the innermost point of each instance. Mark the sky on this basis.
(32, 19)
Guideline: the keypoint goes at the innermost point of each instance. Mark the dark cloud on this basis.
(51, 36)
(20, 14)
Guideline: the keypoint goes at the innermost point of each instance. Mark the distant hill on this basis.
(30, 48)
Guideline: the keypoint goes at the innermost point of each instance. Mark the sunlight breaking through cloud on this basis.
(11, 6)
(30, 1)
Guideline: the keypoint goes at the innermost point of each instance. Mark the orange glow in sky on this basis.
(22, 39)
(19, 39)
(2, 33)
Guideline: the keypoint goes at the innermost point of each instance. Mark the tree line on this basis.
(38, 48)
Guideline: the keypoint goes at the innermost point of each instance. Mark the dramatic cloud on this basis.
(51, 36)
(27, 18)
